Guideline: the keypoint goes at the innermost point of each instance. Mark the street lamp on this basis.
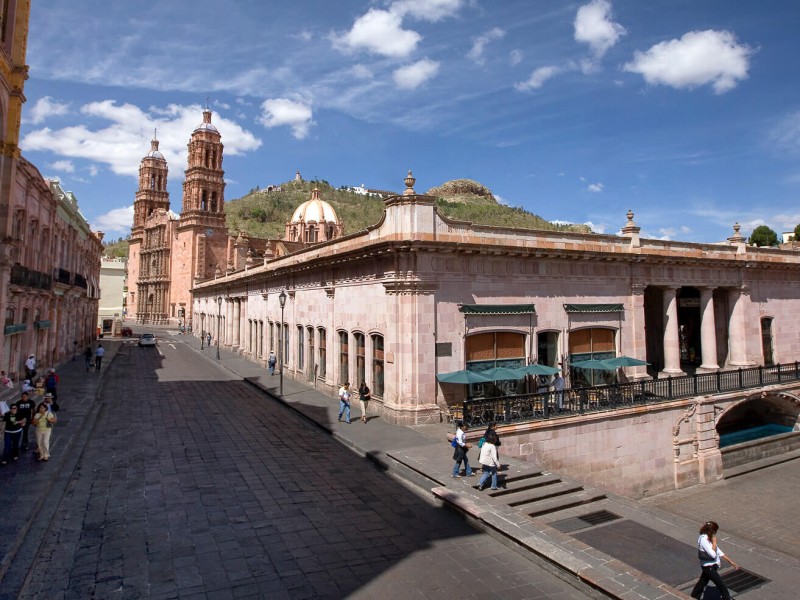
(219, 317)
(282, 300)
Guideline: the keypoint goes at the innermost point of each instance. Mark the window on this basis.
(322, 355)
(586, 344)
(496, 349)
(300, 353)
(272, 336)
(344, 366)
(285, 343)
(377, 365)
(204, 200)
(358, 338)
(310, 335)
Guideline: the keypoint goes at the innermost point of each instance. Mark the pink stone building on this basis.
(419, 294)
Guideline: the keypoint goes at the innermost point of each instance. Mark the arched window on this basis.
(361, 370)
(377, 365)
(300, 348)
(323, 358)
(344, 350)
(204, 200)
(213, 201)
(494, 349)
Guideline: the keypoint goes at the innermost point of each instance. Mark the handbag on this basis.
(454, 443)
(705, 556)
(481, 442)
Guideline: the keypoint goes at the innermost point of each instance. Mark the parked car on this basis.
(127, 332)
(147, 339)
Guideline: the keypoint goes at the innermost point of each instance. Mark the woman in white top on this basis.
(710, 554)
(488, 459)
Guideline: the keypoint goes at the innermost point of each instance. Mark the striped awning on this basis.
(593, 308)
(497, 309)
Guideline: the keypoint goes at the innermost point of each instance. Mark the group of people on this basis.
(344, 401)
(37, 407)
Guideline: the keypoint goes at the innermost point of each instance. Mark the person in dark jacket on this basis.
(12, 435)
(25, 407)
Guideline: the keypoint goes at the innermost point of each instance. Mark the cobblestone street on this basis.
(196, 485)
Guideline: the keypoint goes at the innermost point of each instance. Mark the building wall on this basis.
(112, 292)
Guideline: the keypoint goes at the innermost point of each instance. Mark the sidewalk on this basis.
(26, 484)
(598, 558)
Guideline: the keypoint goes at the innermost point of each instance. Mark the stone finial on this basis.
(297, 176)
(737, 236)
(630, 222)
(409, 181)
(631, 230)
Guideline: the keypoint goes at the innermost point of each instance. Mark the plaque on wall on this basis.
(444, 349)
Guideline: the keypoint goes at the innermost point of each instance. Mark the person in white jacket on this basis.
(710, 554)
(489, 461)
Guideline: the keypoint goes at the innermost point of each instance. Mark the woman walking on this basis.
(363, 399)
(43, 420)
(488, 459)
(710, 554)
(13, 434)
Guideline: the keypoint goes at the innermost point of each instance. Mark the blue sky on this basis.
(685, 111)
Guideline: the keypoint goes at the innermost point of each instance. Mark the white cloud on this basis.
(596, 227)
(479, 44)
(379, 32)
(65, 166)
(515, 56)
(698, 58)
(538, 78)
(501, 200)
(414, 75)
(361, 72)
(93, 170)
(126, 139)
(427, 10)
(593, 26)
(786, 135)
(115, 220)
(44, 108)
(276, 112)
(595, 187)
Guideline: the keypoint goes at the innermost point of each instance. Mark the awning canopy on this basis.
(593, 308)
(498, 309)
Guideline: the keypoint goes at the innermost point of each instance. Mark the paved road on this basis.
(195, 485)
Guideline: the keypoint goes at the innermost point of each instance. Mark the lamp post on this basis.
(282, 300)
(219, 317)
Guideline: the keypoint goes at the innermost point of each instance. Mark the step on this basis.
(530, 497)
(553, 505)
(517, 485)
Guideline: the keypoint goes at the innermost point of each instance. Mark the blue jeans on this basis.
(467, 468)
(271, 369)
(488, 471)
(344, 407)
(11, 445)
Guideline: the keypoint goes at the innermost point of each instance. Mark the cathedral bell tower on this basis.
(204, 185)
(152, 193)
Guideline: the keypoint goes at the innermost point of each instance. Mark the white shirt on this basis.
(558, 383)
(344, 394)
(703, 543)
(31, 363)
(100, 352)
(489, 455)
(460, 437)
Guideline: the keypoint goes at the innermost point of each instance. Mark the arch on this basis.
(591, 343)
(497, 348)
(761, 415)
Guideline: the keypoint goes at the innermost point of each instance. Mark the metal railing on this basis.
(531, 407)
(29, 278)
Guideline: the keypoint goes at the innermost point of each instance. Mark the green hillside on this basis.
(264, 214)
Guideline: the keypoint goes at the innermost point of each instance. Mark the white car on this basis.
(147, 339)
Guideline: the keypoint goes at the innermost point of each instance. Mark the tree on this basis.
(763, 236)
(797, 233)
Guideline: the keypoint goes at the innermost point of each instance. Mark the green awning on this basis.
(497, 309)
(593, 308)
(11, 329)
(44, 324)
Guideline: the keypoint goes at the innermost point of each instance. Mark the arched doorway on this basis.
(758, 418)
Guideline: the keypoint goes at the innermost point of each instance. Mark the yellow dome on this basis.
(315, 210)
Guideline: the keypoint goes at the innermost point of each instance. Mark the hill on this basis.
(263, 213)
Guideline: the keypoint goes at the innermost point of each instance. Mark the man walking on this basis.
(25, 407)
(271, 362)
(558, 388)
(98, 357)
(344, 401)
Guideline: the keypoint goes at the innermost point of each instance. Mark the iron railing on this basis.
(29, 278)
(531, 407)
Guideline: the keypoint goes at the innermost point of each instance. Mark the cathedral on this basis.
(169, 254)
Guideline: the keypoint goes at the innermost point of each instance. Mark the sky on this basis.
(686, 112)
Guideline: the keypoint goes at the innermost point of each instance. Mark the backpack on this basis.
(481, 442)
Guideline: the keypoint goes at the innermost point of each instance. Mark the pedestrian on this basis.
(25, 407)
(51, 383)
(98, 357)
(49, 402)
(26, 386)
(30, 368)
(710, 554)
(492, 429)
(271, 360)
(363, 399)
(344, 401)
(558, 388)
(5, 381)
(208, 339)
(13, 434)
(43, 420)
(87, 357)
(489, 460)
(460, 454)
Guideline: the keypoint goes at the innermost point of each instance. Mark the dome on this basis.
(206, 124)
(154, 153)
(315, 210)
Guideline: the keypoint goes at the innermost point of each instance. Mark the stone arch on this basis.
(777, 412)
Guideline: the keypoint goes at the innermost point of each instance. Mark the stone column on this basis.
(237, 324)
(228, 321)
(708, 330)
(672, 348)
(737, 355)
(638, 343)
